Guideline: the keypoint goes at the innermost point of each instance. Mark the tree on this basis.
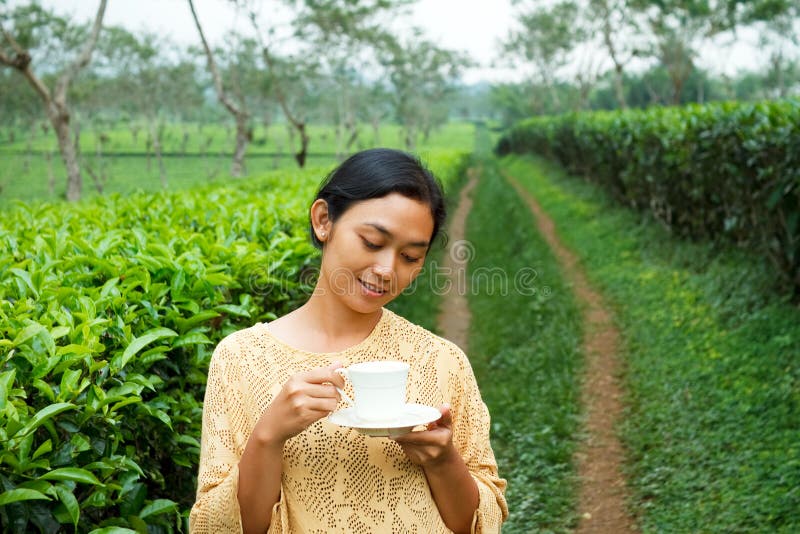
(321, 30)
(546, 37)
(679, 27)
(422, 76)
(30, 23)
(780, 32)
(617, 28)
(239, 112)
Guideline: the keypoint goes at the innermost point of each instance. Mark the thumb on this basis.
(337, 378)
(447, 417)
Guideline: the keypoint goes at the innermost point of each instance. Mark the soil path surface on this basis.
(454, 316)
(601, 505)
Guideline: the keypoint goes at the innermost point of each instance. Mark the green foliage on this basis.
(109, 312)
(724, 171)
(712, 370)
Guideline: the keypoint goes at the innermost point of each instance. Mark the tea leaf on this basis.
(21, 494)
(159, 506)
(70, 503)
(43, 415)
(75, 474)
(138, 344)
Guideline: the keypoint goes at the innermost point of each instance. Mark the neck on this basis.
(335, 321)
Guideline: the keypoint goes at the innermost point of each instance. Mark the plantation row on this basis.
(728, 171)
(109, 312)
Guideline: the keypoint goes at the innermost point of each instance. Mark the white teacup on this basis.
(379, 387)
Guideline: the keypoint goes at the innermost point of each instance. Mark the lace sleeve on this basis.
(216, 509)
(471, 424)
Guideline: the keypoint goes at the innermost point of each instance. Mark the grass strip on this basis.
(524, 346)
(713, 378)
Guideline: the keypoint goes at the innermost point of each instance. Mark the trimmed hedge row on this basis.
(109, 312)
(723, 171)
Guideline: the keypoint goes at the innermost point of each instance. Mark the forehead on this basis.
(404, 217)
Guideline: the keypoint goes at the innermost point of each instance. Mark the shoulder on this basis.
(426, 341)
(230, 351)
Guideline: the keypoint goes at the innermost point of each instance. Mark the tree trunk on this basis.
(155, 133)
(353, 127)
(339, 148)
(239, 112)
(300, 157)
(148, 144)
(69, 155)
(26, 162)
(677, 90)
(410, 135)
(608, 39)
(619, 90)
(266, 121)
(185, 141)
(51, 175)
(100, 178)
(242, 138)
(376, 131)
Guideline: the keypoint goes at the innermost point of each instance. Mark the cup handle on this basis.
(343, 371)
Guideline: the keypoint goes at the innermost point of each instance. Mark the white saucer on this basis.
(413, 415)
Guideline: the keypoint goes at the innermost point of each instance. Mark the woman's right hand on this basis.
(303, 400)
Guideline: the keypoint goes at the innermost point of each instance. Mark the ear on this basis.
(320, 220)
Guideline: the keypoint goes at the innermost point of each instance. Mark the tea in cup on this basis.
(379, 387)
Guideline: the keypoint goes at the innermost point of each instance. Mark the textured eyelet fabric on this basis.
(336, 479)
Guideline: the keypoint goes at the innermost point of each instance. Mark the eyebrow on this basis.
(382, 229)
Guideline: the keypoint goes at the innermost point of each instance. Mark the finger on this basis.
(444, 421)
(322, 406)
(321, 391)
(423, 437)
(320, 375)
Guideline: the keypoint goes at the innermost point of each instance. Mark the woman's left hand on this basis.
(433, 446)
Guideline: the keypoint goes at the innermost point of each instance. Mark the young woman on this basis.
(271, 461)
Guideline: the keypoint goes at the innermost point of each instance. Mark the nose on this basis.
(384, 267)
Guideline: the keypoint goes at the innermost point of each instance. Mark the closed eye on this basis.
(372, 246)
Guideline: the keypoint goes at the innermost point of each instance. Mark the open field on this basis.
(25, 176)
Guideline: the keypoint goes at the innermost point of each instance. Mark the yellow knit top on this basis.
(334, 478)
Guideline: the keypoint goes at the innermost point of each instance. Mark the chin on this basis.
(361, 305)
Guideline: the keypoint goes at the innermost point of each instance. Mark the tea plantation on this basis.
(109, 310)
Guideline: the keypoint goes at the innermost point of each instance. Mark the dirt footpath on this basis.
(454, 316)
(602, 487)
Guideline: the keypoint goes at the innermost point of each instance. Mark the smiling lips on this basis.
(372, 290)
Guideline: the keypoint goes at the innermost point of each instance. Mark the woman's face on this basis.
(375, 250)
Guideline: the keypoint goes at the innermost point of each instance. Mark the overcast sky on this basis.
(474, 26)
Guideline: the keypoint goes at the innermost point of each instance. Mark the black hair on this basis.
(378, 172)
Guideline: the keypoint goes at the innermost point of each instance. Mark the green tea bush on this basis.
(724, 170)
(109, 312)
